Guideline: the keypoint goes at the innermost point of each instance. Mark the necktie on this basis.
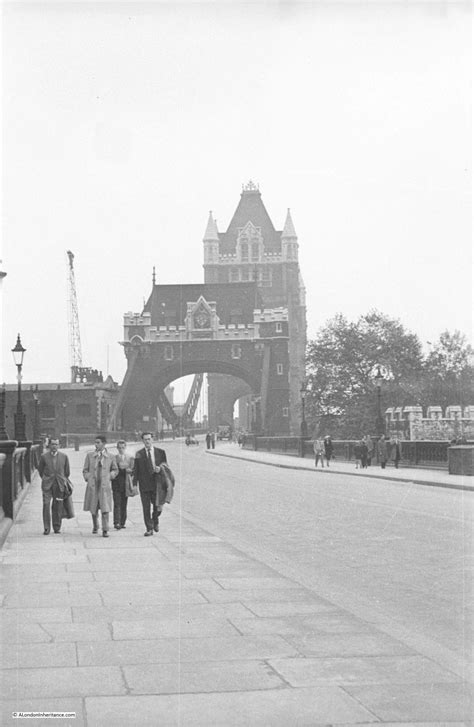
(150, 461)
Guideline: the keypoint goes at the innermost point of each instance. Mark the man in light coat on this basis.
(146, 472)
(100, 468)
(54, 471)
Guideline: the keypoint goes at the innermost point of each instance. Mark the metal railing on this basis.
(413, 454)
(17, 465)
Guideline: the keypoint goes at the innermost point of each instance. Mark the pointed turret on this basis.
(289, 228)
(211, 229)
(211, 241)
(289, 240)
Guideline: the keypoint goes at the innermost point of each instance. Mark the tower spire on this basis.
(289, 228)
(154, 275)
(211, 232)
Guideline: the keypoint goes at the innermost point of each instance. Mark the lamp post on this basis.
(3, 431)
(18, 354)
(304, 425)
(380, 424)
(36, 419)
(64, 405)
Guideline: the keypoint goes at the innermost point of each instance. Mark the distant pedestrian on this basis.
(382, 451)
(100, 468)
(370, 449)
(54, 471)
(146, 472)
(363, 453)
(240, 439)
(396, 451)
(119, 484)
(328, 448)
(208, 440)
(318, 449)
(358, 454)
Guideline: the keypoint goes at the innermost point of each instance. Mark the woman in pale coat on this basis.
(100, 468)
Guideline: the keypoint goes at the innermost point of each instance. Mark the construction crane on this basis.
(75, 351)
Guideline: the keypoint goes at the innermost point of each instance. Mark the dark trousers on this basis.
(120, 506)
(55, 507)
(148, 504)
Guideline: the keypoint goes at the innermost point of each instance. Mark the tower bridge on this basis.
(245, 326)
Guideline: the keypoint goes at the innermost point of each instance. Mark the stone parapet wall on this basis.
(409, 423)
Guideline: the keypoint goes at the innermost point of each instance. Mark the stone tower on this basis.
(252, 250)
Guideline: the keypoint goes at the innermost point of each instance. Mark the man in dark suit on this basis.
(54, 470)
(146, 472)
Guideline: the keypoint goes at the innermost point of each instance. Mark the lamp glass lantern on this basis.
(18, 353)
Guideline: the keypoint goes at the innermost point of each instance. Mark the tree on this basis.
(449, 371)
(341, 361)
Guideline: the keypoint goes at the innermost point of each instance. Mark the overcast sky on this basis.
(124, 124)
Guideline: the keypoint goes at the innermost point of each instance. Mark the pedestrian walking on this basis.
(358, 454)
(363, 453)
(370, 449)
(318, 449)
(382, 451)
(396, 451)
(328, 448)
(121, 484)
(54, 470)
(100, 468)
(146, 470)
(208, 440)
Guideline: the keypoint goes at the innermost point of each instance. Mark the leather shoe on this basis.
(156, 527)
(117, 527)
(46, 531)
(95, 530)
(148, 532)
(57, 532)
(105, 534)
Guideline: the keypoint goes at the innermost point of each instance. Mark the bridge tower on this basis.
(245, 327)
(252, 249)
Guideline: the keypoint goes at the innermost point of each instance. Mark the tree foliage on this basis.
(342, 361)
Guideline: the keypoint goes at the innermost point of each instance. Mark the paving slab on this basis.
(13, 616)
(189, 677)
(418, 702)
(20, 632)
(23, 656)
(172, 627)
(336, 622)
(156, 651)
(361, 670)
(63, 682)
(370, 644)
(278, 708)
(161, 611)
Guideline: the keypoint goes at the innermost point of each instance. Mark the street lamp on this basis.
(304, 425)
(36, 419)
(380, 424)
(64, 405)
(3, 431)
(19, 418)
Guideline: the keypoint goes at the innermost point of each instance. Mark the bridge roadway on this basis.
(270, 597)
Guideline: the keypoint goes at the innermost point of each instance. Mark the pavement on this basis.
(413, 475)
(185, 629)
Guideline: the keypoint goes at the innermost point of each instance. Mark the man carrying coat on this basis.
(100, 468)
(146, 473)
(54, 471)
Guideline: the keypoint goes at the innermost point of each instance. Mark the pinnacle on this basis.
(289, 229)
(211, 232)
